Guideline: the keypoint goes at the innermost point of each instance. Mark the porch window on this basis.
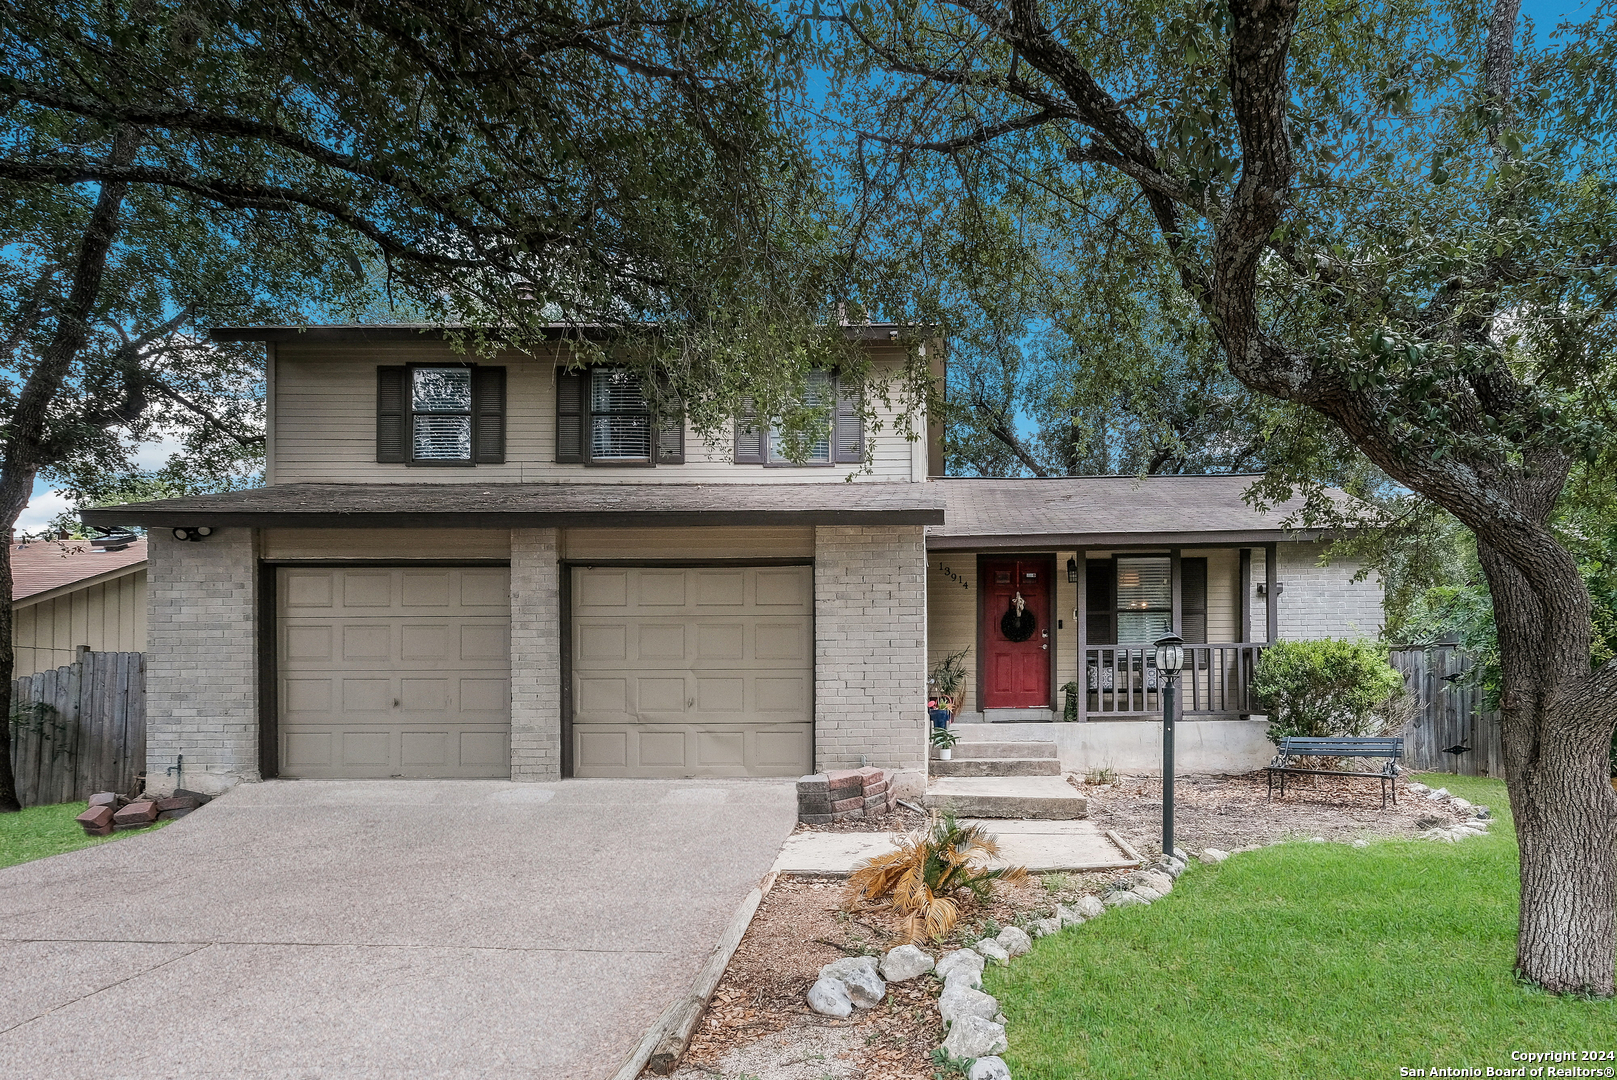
(1129, 599)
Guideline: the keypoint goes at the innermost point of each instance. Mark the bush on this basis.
(1328, 687)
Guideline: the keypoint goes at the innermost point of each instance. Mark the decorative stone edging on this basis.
(1475, 819)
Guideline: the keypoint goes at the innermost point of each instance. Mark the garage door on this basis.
(394, 671)
(693, 671)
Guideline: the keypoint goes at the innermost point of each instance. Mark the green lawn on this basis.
(1304, 960)
(45, 830)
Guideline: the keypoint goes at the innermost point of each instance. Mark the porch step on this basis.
(1019, 716)
(1049, 798)
(996, 766)
(987, 748)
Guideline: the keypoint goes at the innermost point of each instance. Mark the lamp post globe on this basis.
(1170, 660)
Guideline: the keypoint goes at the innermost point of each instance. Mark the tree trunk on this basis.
(29, 429)
(1557, 721)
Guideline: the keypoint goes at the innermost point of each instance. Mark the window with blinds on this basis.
(1129, 600)
(605, 417)
(1144, 597)
(843, 441)
(449, 414)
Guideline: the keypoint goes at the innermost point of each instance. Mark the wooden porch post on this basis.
(1173, 576)
(1243, 608)
(1271, 576)
(1081, 617)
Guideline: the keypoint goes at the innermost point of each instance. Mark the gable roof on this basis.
(47, 566)
(1099, 511)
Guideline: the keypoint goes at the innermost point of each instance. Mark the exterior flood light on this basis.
(198, 532)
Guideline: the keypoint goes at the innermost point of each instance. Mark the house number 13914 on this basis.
(954, 577)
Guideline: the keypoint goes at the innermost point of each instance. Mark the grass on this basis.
(40, 831)
(1303, 960)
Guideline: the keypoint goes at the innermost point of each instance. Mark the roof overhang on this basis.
(1116, 541)
(549, 505)
(393, 334)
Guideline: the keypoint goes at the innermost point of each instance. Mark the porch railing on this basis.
(1121, 681)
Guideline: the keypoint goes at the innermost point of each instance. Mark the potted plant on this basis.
(938, 707)
(944, 740)
(948, 682)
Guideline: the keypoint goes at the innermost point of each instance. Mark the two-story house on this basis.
(511, 569)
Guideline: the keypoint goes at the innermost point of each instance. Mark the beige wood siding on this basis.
(951, 614)
(693, 671)
(740, 542)
(109, 616)
(386, 543)
(324, 425)
(394, 672)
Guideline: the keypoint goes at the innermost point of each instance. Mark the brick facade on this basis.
(202, 661)
(1319, 601)
(535, 655)
(870, 650)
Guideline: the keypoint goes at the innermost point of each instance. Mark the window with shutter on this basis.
(749, 436)
(848, 436)
(603, 417)
(390, 415)
(844, 439)
(1193, 600)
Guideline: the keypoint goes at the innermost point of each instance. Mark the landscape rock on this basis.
(905, 963)
(829, 997)
(989, 1068)
(1014, 940)
(962, 965)
(957, 1002)
(1361, 842)
(1173, 868)
(104, 798)
(993, 950)
(1482, 812)
(1088, 906)
(1316, 840)
(1417, 789)
(1212, 856)
(1146, 893)
(1179, 853)
(858, 976)
(96, 817)
(1153, 879)
(1429, 821)
(1125, 899)
(136, 814)
(1439, 795)
(1046, 927)
(974, 1037)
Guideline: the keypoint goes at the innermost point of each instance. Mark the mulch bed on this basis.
(759, 1025)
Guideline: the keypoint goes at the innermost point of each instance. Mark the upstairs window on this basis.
(843, 440)
(440, 414)
(604, 417)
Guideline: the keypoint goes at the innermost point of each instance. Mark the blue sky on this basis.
(46, 504)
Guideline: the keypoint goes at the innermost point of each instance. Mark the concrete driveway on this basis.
(380, 928)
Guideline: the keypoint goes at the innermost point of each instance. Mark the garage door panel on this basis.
(693, 671)
(395, 672)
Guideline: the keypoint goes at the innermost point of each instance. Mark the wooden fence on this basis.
(80, 728)
(1451, 713)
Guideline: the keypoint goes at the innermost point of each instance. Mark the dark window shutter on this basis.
(1193, 600)
(488, 404)
(392, 415)
(749, 436)
(848, 436)
(570, 416)
(671, 434)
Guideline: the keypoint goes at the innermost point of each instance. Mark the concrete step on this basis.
(1049, 798)
(1019, 716)
(971, 748)
(986, 766)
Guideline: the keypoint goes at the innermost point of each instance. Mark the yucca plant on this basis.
(923, 878)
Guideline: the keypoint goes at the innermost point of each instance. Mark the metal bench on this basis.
(1296, 746)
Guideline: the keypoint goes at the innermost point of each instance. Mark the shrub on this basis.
(1327, 687)
(921, 879)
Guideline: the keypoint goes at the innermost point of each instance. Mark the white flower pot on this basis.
(944, 753)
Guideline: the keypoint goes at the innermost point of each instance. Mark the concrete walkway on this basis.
(1041, 846)
(320, 929)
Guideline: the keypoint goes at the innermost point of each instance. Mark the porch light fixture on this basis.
(197, 532)
(1170, 659)
(1072, 571)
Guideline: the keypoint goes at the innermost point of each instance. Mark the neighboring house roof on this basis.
(48, 568)
(380, 333)
(540, 505)
(1099, 511)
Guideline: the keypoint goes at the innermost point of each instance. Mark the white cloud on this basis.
(44, 506)
(150, 456)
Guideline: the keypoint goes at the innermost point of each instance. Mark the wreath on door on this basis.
(1018, 623)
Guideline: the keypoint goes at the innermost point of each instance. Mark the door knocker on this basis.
(1018, 623)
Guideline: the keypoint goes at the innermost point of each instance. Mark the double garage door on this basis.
(405, 671)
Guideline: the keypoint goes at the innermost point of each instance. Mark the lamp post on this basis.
(1170, 658)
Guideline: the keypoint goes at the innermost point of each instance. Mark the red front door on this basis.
(1016, 638)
